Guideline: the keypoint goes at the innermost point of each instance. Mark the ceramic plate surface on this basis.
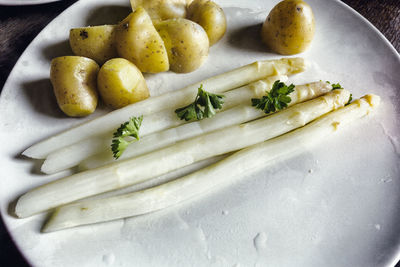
(337, 204)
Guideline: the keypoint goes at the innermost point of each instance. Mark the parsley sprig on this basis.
(126, 134)
(276, 99)
(336, 86)
(204, 106)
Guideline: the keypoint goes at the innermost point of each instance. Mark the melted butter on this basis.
(335, 125)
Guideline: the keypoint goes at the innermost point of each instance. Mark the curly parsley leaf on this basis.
(204, 106)
(276, 99)
(126, 134)
(335, 86)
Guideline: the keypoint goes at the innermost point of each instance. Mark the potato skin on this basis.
(121, 83)
(138, 41)
(210, 16)
(162, 9)
(74, 83)
(289, 27)
(186, 43)
(95, 42)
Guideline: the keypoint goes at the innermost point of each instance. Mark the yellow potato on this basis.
(289, 27)
(95, 42)
(74, 83)
(162, 9)
(186, 43)
(210, 16)
(121, 83)
(138, 41)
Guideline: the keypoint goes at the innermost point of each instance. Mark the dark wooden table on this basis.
(19, 25)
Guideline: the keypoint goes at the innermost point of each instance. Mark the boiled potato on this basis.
(186, 43)
(138, 41)
(74, 83)
(289, 27)
(162, 9)
(95, 42)
(121, 83)
(210, 16)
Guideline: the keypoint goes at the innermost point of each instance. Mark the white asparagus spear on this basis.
(132, 171)
(216, 84)
(236, 115)
(211, 178)
(72, 155)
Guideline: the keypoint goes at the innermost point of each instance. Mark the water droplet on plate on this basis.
(109, 258)
(260, 241)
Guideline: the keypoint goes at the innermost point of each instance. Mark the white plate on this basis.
(335, 205)
(24, 2)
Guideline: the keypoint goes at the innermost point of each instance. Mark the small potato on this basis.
(186, 43)
(210, 16)
(74, 83)
(138, 41)
(289, 27)
(162, 9)
(95, 42)
(121, 83)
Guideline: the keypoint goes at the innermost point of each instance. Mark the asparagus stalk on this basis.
(236, 115)
(210, 178)
(72, 155)
(132, 171)
(217, 84)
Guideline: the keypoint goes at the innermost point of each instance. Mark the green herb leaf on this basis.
(276, 99)
(350, 99)
(126, 134)
(336, 86)
(204, 106)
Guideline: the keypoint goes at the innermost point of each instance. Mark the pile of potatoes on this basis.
(159, 35)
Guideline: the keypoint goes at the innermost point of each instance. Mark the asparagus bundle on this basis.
(236, 115)
(217, 84)
(72, 155)
(139, 169)
(98, 152)
(210, 178)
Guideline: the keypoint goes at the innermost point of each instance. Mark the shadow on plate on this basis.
(11, 208)
(57, 50)
(248, 38)
(36, 164)
(39, 94)
(107, 15)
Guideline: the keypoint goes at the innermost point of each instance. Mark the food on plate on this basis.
(122, 173)
(289, 27)
(216, 84)
(186, 43)
(95, 42)
(138, 41)
(94, 152)
(121, 83)
(211, 178)
(97, 149)
(125, 135)
(237, 114)
(205, 105)
(210, 16)
(74, 83)
(162, 9)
